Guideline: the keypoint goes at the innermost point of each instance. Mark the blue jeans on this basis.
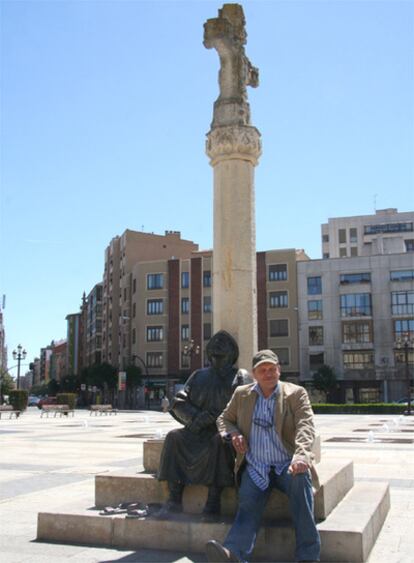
(252, 501)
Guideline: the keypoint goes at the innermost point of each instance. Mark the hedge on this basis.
(359, 408)
(18, 399)
(67, 399)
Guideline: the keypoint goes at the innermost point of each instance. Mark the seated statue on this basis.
(196, 454)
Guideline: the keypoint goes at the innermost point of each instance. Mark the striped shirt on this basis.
(266, 450)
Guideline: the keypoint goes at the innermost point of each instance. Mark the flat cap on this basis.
(265, 356)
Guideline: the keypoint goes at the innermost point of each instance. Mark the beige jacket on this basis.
(293, 420)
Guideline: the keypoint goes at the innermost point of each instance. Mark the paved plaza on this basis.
(49, 464)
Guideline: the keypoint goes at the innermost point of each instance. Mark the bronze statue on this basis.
(196, 453)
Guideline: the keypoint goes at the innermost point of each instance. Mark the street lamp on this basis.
(19, 355)
(406, 344)
(191, 349)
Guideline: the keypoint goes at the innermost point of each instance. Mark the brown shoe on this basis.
(217, 553)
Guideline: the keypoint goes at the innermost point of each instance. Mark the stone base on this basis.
(347, 535)
(336, 479)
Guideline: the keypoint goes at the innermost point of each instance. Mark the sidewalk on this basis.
(49, 464)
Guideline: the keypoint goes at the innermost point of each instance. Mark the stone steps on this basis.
(336, 479)
(347, 534)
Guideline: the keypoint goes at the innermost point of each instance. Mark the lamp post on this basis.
(191, 349)
(406, 344)
(19, 355)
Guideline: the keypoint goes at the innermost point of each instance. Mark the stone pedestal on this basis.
(234, 152)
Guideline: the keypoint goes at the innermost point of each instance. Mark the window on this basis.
(353, 235)
(355, 278)
(316, 361)
(314, 285)
(207, 331)
(388, 228)
(278, 272)
(315, 310)
(154, 359)
(354, 251)
(185, 360)
(315, 335)
(404, 327)
(134, 285)
(155, 281)
(325, 238)
(402, 275)
(206, 278)
(155, 306)
(356, 305)
(325, 255)
(342, 253)
(399, 357)
(185, 280)
(134, 310)
(185, 332)
(358, 360)
(185, 305)
(283, 355)
(402, 302)
(409, 245)
(133, 336)
(155, 333)
(279, 327)
(207, 304)
(356, 332)
(125, 293)
(278, 299)
(342, 236)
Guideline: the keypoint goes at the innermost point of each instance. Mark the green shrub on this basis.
(359, 408)
(67, 399)
(18, 399)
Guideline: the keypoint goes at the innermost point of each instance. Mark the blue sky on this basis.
(105, 106)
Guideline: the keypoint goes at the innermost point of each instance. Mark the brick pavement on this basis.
(49, 464)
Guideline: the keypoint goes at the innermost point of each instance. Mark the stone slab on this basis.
(347, 535)
(153, 449)
(336, 478)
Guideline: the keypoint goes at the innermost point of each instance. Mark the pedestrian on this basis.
(270, 424)
(165, 404)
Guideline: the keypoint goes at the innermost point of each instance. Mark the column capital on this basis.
(233, 142)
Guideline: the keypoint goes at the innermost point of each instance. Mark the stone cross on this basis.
(228, 36)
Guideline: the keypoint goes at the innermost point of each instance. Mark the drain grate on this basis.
(376, 440)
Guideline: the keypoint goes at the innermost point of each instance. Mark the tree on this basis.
(325, 380)
(7, 384)
(70, 384)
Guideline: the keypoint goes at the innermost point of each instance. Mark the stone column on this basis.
(234, 147)
(234, 152)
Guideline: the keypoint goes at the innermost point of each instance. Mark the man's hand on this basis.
(298, 467)
(239, 443)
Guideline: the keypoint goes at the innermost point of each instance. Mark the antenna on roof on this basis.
(375, 203)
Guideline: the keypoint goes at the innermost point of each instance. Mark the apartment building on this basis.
(121, 256)
(58, 368)
(352, 314)
(74, 344)
(385, 232)
(93, 332)
(171, 309)
(45, 355)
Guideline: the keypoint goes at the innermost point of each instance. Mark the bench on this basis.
(10, 410)
(102, 409)
(62, 410)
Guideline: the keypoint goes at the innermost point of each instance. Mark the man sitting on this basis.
(270, 423)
